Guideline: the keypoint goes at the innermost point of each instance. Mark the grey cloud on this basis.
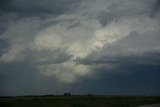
(131, 49)
(120, 10)
(59, 21)
(47, 57)
(74, 25)
(105, 18)
(149, 58)
(49, 23)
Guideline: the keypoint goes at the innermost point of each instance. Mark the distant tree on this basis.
(65, 94)
(69, 94)
(90, 95)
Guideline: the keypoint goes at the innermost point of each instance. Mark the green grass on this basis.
(77, 101)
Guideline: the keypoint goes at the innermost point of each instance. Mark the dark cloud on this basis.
(106, 18)
(3, 46)
(23, 79)
(129, 79)
(38, 8)
(15, 10)
(156, 8)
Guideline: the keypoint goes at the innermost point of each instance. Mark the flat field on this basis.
(78, 101)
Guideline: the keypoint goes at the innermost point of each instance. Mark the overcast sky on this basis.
(107, 47)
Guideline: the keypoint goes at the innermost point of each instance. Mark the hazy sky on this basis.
(80, 46)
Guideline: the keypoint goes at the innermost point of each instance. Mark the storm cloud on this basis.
(69, 41)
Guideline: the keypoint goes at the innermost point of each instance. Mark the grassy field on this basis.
(77, 101)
